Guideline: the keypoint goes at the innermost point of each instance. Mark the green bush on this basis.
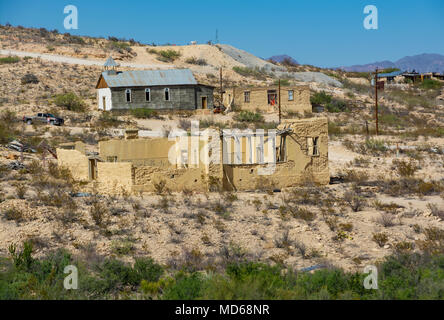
(320, 99)
(120, 46)
(404, 275)
(431, 84)
(256, 73)
(165, 55)
(194, 60)
(7, 60)
(337, 106)
(248, 116)
(143, 113)
(186, 287)
(70, 101)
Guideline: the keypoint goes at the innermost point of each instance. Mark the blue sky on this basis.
(325, 33)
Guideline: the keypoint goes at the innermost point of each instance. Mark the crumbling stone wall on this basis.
(145, 178)
(115, 178)
(76, 162)
(304, 160)
(300, 165)
(152, 152)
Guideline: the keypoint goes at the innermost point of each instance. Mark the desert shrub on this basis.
(283, 240)
(8, 60)
(404, 168)
(431, 84)
(337, 105)
(256, 73)
(20, 190)
(380, 238)
(160, 187)
(354, 200)
(29, 78)
(303, 214)
(14, 214)
(350, 175)
(144, 113)
(410, 186)
(435, 210)
(320, 99)
(120, 46)
(168, 55)
(284, 82)
(70, 101)
(386, 219)
(108, 119)
(185, 287)
(122, 247)
(301, 248)
(375, 145)
(194, 60)
(98, 212)
(403, 275)
(248, 116)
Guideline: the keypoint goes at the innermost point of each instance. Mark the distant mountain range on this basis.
(426, 62)
(282, 57)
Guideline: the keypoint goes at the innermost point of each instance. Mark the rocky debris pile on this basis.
(20, 147)
(15, 165)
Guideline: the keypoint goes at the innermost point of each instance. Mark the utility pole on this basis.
(376, 100)
(279, 100)
(221, 90)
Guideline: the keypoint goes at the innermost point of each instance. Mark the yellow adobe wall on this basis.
(145, 177)
(259, 99)
(75, 162)
(114, 178)
(300, 164)
(152, 152)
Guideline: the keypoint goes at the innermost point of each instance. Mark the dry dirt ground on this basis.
(264, 224)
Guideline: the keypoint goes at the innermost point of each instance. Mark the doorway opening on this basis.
(204, 103)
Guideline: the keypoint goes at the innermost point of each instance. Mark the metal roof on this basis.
(149, 78)
(110, 62)
(391, 74)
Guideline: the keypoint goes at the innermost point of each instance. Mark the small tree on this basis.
(70, 101)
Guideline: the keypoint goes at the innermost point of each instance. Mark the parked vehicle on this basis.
(44, 118)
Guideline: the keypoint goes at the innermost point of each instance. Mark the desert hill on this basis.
(426, 62)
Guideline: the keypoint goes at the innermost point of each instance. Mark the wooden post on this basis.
(279, 100)
(376, 100)
(220, 79)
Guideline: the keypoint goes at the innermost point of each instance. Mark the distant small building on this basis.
(293, 98)
(438, 76)
(416, 77)
(173, 89)
(390, 77)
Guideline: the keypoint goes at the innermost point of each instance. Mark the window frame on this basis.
(165, 91)
(247, 96)
(313, 146)
(148, 90)
(292, 95)
(128, 91)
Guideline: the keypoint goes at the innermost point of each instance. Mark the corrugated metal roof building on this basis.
(171, 89)
(144, 78)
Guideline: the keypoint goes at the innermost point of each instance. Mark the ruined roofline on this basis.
(273, 87)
